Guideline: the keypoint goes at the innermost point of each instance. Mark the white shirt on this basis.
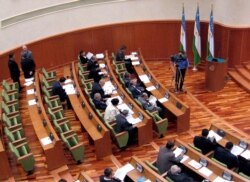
(110, 113)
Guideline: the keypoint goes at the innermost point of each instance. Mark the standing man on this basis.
(120, 56)
(27, 63)
(14, 70)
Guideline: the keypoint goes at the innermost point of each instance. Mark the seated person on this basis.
(99, 102)
(122, 124)
(176, 175)
(204, 143)
(225, 156)
(91, 63)
(146, 104)
(97, 88)
(95, 72)
(135, 89)
(82, 57)
(120, 56)
(111, 111)
(244, 165)
(108, 176)
(57, 89)
(166, 157)
(126, 78)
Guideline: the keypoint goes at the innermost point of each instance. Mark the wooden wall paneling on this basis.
(189, 39)
(203, 34)
(245, 53)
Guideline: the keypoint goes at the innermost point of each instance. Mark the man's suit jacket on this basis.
(122, 123)
(96, 88)
(225, 156)
(83, 59)
(94, 73)
(135, 90)
(103, 179)
(204, 144)
(28, 65)
(120, 55)
(99, 104)
(166, 159)
(181, 177)
(146, 104)
(244, 166)
(58, 90)
(14, 70)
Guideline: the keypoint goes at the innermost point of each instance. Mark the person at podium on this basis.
(181, 64)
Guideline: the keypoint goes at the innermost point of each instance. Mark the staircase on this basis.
(241, 75)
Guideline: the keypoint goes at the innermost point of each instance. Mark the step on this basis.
(240, 80)
(244, 73)
(247, 65)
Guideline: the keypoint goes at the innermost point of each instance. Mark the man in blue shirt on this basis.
(181, 64)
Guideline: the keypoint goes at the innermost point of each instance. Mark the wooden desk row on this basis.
(179, 109)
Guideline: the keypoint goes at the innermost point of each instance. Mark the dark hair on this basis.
(62, 79)
(170, 145)
(229, 145)
(204, 132)
(62, 180)
(11, 55)
(108, 172)
(81, 51)
(123, 47)
(115, 101)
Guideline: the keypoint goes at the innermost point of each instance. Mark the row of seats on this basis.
(13, 126)
(61, 123)
(121, 139)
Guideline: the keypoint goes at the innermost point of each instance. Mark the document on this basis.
(220, 179)
(134, 58)
(108, 101)
(178, 151)
(144, 78)
(246, 154)
(30, 91)
(99, 56)
(28, 83)
(46, 140)
(150, 88)
(102, 65)
(162, 100)
(237, 150)
(108, 87)
(195, 164)
(68, 81)
(133, 120)
(134, 53)
(32, 102)
(135, 63)
(152, 99)
(205, 171)
(69, 89)
(215, 135)
(185, 157)
(121, 172)
(89, 55)
(125, 106)
(29, 79)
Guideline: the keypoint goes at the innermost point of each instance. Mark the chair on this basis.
(11, 108)
(82, 68)
(160, 125)
(72, 143)
(49, 75)
(48, 93)
(14, 87)
(10, 98)
(120, 138)
(57, 116)
(195, 148)
(48, 83)
(218, 162)
(23, 155)
(87, 85)
(85, 77)
(53, 104)
(152, 166)
(15, 136)
(120, 68)
(168, 179)
(13, 122)
(244, 175)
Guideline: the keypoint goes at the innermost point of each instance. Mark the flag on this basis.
(183, 44)
(197, 39)
(210, 37)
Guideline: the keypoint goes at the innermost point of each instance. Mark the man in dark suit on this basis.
(225, 156)
(244, 165)
(205, 144)
(97, 88)
(166, 157)
(120, 56)
(57, 89)
(95, 72)
(122, 124)
(135, 89)
(14, 70)
(176, 175)
(99, 102)
(108, 176)
(82, 57)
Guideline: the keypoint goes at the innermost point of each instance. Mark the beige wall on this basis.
(228, 12)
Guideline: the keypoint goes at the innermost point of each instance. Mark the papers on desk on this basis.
(135, 63)
(152, 99)
(185, 157)
(162, 100)
(133, 120)
(237, 150)
(29, 79)
(89, 55)
(220, 179)
(144, 78)
(46, 140)
(68, 81)
(133, 57)
(215, 135)
(30, 91)
(125, 106)
(32, 102)
(134, 53)
(28, 83)
(108, 87)
(178, 151)
(108, 101)
(195, 164)
(121, 172)
(102, 72)
(99, 56)
(246, 154)
(102, 65)
(150, 88)
(69, 89)
(205, 171)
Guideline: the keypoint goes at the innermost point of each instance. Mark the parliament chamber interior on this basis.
(118, 87)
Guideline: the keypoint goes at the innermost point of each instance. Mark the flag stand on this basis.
(195, 68)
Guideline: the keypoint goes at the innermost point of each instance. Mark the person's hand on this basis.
(31, 72)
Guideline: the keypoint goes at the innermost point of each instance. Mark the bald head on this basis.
(24, 47)
(97, 96)
(175, 169)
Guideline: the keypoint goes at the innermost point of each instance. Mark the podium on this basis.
(216, 71)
